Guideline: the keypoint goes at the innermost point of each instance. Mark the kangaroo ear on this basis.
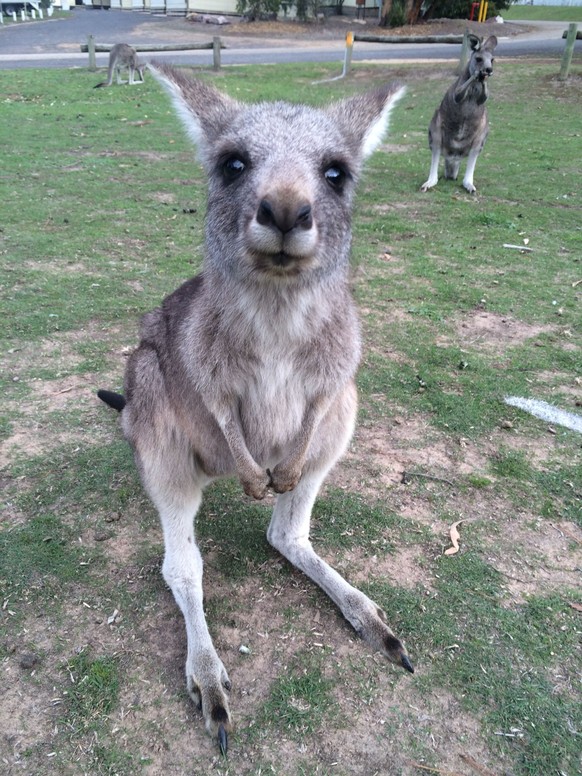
(364, 118)
(490, 43)
(475, 42)
(204, 111)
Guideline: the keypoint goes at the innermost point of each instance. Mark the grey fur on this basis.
(248, 368)
(123, 56)
(460, 126)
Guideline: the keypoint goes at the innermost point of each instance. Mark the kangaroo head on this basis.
(281, 176)
(481, 63)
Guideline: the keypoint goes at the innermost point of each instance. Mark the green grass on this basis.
(300, 701)
(502, 661)
(94, 687)
(97, 225)
(543, 13)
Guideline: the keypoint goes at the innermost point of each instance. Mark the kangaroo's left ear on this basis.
(475, 42)
(205, 112)
(364, 118)
(490, 43)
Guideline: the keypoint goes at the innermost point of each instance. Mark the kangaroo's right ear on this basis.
(364, 118)
(205, 112)
(475, 42)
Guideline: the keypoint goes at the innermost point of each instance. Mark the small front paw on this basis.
(284, 478)
(256, 486)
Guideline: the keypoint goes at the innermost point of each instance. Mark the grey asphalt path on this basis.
(55, 42)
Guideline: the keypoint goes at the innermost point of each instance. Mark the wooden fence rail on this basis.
(408, 38)
(215, 45)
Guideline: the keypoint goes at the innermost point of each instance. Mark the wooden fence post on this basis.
(91, 50)
(568, 51)
(216, 52)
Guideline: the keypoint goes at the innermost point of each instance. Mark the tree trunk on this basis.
(413, 11)
(386, 8)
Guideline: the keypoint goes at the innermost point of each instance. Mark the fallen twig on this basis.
(64, 390)
(476, 766)
(566, 532)
(405, 476)
(433, 770)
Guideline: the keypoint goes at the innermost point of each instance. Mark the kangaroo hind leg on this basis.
(289, 534)
(176, 489)
(433, 175)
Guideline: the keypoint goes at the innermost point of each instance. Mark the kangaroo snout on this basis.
(283, 233)
(283, 217)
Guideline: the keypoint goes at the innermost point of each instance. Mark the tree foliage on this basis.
(414, 10)
(255, 9)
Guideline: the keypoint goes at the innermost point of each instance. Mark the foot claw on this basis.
(222, 740)
(405, 660)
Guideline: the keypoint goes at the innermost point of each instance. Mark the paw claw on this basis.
(222, 740)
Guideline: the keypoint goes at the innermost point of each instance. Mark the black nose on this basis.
(283, 217)
(488, 70)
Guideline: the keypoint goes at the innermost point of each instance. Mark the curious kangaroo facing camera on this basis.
(459, 126)
(123, 56)
(248, 368)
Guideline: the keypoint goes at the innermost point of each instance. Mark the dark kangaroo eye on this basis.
(335, 176)
(232, 168)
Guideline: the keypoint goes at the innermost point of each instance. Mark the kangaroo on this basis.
(248, 368)
(123, 56)
(459, 126)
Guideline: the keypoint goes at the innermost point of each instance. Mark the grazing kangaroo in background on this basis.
(459, 126)
(123, 56)
(248, 368)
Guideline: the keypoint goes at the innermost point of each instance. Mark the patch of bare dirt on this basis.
(436, 725)
(382, 454)
(407, 567)
(546, 556)
(490, 330)
(32, 432)
(338, 26)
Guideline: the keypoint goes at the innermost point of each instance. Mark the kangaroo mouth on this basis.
(280, 263)
(282, 259)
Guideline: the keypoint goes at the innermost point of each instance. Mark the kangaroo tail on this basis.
(114, 400)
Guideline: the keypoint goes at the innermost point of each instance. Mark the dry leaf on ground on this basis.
(455, 536)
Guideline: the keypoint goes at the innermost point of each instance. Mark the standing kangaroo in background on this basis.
(459, 126)
(248, 368)
(123, 56)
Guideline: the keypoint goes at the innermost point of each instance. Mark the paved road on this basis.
(55, 42)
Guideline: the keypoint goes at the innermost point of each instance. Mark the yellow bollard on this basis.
(348, 54)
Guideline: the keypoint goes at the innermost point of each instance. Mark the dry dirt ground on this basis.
(390, 716)
(241, 33)
(337, 26)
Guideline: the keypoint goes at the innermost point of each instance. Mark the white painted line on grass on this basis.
(545, 411)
